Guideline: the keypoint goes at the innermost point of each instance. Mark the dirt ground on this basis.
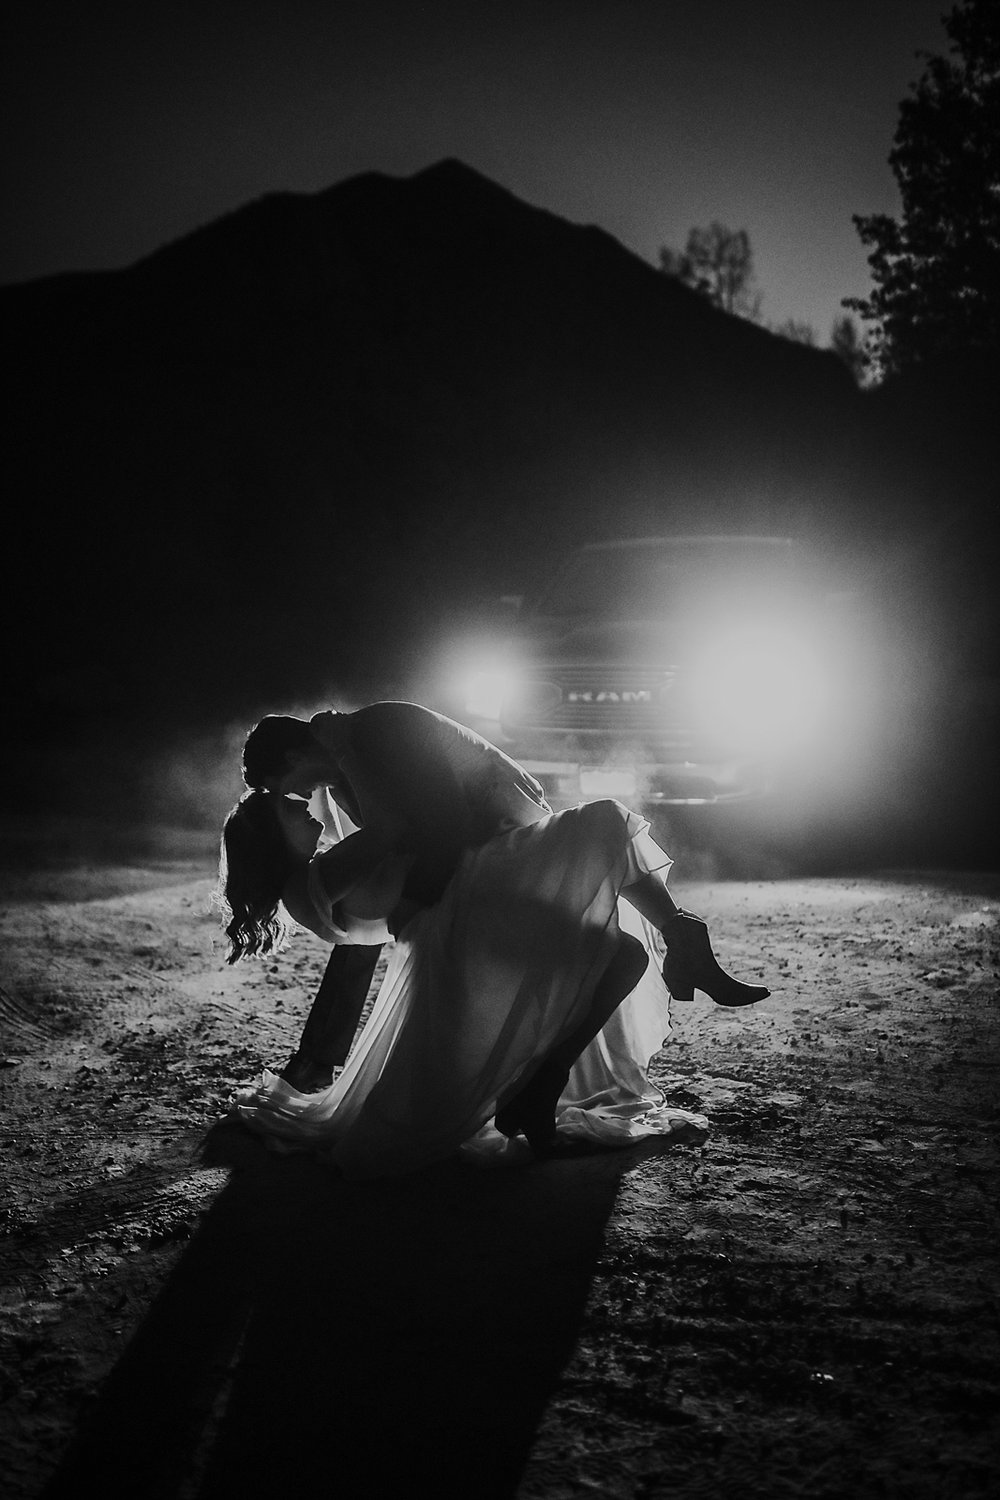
(805, 1305)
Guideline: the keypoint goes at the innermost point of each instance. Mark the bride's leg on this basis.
(619, 979)
(651, 899)
(532, 1110)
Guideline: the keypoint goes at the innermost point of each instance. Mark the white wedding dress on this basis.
(481, 985)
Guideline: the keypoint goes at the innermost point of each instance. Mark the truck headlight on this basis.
(484, 693)
(765, 688)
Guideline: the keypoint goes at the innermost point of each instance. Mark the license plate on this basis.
(607, 781)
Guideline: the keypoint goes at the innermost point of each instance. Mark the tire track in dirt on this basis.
(156, 1206)
(20, 1025)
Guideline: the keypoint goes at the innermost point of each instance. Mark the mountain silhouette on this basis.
(273, 454)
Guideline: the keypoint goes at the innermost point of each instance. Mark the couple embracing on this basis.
(533, 953)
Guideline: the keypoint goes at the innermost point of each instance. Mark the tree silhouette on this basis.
(845, 341)
(718, 263)
(797, 330)
(936, 270)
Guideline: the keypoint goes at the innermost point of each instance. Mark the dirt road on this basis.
(804, 1306)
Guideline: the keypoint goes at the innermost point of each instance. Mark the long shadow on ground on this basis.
(399, 1336)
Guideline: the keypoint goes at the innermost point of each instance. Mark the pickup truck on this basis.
(667, 671)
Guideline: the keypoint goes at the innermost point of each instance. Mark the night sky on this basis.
(128, 125)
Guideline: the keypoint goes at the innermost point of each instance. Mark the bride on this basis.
(519, 1011)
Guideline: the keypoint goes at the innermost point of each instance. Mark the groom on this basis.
(438, 786)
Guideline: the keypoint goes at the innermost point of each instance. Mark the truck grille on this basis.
(608, 700)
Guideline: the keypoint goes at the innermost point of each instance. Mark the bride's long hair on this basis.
(254, 863)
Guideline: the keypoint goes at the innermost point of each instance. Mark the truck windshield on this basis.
(658, 581)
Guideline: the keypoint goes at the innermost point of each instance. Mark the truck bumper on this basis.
(681, 784)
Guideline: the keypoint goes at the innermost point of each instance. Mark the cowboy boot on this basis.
(690, 964)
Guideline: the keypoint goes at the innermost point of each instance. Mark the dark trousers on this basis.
(340, 999)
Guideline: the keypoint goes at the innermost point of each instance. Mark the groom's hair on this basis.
(268, 745)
